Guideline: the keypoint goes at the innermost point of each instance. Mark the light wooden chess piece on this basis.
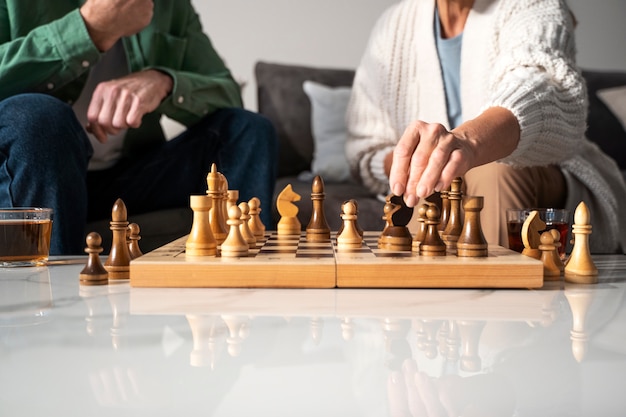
(358, 228)
(118, 261)
(256, 225)
(396, 235)
(580, 267)
(234, 246)
(201, 241)
(133, 238)
(216, 214)
(432, 245)
(472, 242)
(247, 234)
(455, 220)
(350, 238)
(288, 223)
(470, 332)
(206, 332)
(420, 233)
(551, 270)
(232, 198)
(317, 229)
(237, 332)
(94, 273)
(531, 234)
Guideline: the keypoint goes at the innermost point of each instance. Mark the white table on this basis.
(71, 350)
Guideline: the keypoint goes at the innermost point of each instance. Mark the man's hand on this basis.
(109, 20)
(122, 103)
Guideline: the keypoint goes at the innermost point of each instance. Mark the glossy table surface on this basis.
(114, 350)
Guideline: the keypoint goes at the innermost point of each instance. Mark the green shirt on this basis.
(45, 48)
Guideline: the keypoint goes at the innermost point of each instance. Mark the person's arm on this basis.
(46, 58)
(202, 83)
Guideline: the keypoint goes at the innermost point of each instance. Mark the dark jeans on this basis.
(44, 154)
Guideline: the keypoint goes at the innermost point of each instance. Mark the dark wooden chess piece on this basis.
(432, 245)
(317, 229)
(94, 272)
(455, 220)
(118, 261)
(396, 235)
(472, 242)
(133, 238)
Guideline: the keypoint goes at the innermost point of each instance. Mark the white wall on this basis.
(333, 33)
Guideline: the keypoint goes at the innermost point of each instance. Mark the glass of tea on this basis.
(553, 218)
(25, 236)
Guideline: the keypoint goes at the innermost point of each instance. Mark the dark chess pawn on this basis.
(94, 273)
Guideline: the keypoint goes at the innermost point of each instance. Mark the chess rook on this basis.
(472, 242)
(200, 241)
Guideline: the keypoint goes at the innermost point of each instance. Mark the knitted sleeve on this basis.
(371, 134)
(535, 76)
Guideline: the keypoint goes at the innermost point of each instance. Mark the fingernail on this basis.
(439, 186)
(422, 191)
(397, 189)
(410, 200)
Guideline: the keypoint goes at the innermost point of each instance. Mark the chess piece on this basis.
(472, 242)
(358, 228)
(234, 246)
(421, 227)
(206, 332)
(118, 261)
(557, 244)
(350, 238)
(216, 213)
(396, 235)
(231, 199)
(94, 273)
(237, 328)
(200, 241)
(432, 245)
(445, 210)
(531, 234)
(288, 223)
(580, 267)
(551, 270)
(455, 220)
(133, 238)
(317, 229)
(247, 234)
(256, 225)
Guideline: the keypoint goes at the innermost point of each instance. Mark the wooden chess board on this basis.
(293, 262)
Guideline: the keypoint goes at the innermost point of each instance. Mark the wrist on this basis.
(102, 39)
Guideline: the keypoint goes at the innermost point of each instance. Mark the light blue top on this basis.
(449, 51)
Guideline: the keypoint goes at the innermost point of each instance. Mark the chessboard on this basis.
(290, 261)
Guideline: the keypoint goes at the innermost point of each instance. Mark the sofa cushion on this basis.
(603, 127)
(282, 100)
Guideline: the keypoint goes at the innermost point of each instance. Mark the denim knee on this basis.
(39, 126)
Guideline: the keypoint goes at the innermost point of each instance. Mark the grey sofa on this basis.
(281, 98)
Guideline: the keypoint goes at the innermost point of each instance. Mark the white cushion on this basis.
(328, 125)
(615, 100)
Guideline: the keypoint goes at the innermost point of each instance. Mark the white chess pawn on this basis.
(234, 246)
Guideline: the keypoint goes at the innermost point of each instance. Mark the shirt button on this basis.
(85, 64)
(181, 99)
(50, 86)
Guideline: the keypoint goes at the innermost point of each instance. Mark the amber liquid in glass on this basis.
(514, 230)
(25, 240)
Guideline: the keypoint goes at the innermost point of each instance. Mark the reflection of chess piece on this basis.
(397, 346)
(207, 332)
(470, 332)
(119, 298)
(453, 342)
(579, 299)
(429, 342)
(347, 328)
(237, 332)
(317, 326)
(97, 307)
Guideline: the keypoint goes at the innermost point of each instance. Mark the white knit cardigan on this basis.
(517, 54)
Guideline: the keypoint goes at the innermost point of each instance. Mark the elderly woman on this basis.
(488, 90)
